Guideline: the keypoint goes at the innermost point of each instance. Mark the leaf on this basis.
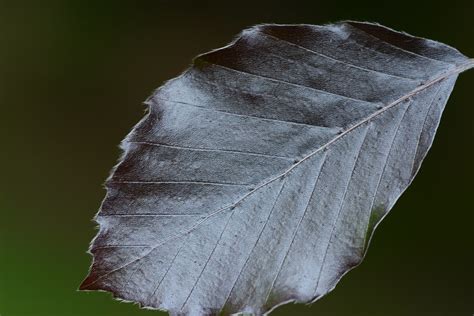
(258, 175)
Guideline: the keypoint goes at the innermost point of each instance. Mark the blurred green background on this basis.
(73, 75)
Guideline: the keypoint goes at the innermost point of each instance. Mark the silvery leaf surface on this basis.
(258, 176)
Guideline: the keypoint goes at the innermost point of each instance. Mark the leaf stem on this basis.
(466, 66)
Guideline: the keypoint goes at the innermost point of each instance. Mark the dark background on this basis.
(73, 75)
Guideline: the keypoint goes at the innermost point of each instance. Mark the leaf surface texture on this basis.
(258, 175)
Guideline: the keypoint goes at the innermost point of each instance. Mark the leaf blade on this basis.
(247, 144)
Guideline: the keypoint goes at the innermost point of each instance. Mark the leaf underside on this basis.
(258, 175)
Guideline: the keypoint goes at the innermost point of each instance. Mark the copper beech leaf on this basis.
(258, 176)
